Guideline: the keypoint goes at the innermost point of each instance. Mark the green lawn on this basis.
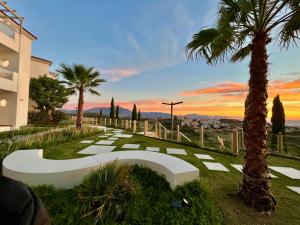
(219, 184)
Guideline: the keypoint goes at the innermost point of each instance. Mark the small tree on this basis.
(80, 79)
(278, 116)
(48, 94)
(139, 116)
(134, 113)
(100, 113)
(112, 113)
(117, 112)
(278, 121)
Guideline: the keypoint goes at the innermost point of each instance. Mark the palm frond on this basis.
(290, 31)
(200, 43)
(79, 76)
(93, 92)
(241, 53)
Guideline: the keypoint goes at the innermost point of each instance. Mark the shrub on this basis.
(104, 192)
(42, 117)
(23, 131)
(149, 204)
(45, 139)
(38, 117)
(58, 116)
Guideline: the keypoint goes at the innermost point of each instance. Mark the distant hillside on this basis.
(123, 112)
(127, 113)
(197, 116)
(155, 115)
(106, 110)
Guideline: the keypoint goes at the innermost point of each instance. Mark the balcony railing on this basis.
(8, 80)
(7, 30)
(4, 73)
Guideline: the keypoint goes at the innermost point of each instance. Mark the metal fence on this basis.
(287, 145)
(223, 140)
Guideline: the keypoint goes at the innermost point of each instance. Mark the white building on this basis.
(17, 66)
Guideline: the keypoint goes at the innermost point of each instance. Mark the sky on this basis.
(138, 47)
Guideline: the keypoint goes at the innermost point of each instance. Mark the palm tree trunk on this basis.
(255, 189)
(80, 110)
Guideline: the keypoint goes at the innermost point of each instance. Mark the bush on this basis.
(46, 139)
(38, 117)
(149, 204)
(58, 116)
(42, 117)
(22, 131)
(104, 191)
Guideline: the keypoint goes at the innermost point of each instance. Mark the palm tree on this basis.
(80, 79)
(244, 28)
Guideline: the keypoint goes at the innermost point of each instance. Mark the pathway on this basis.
(209, 162)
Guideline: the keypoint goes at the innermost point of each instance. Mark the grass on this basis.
(218, 184)
(43, 140)
(26, 130)
(149, 204)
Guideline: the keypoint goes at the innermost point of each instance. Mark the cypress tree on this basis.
(278, 116)
(117, 112)
(278, 121)
(100, 113)
(134, 113)
(112, 109)
(139, 116)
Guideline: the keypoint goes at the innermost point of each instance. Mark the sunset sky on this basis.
(138, 46)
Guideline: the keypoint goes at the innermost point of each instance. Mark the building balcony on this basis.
(8, 80)
(9, 36)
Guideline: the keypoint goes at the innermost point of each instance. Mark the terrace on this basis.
(220, 172)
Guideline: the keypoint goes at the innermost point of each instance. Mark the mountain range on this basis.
(123, 112)
(127, 113)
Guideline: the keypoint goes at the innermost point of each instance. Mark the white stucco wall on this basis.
(38, 68)
(23, 84)
(8, 113)
(15, 113)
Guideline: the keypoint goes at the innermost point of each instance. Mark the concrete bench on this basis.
(30, 167)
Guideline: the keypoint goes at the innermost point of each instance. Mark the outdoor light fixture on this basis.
(3, 102)
(172, 104)
(4, 63)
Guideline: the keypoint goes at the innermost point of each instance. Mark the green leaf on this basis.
(241, 53)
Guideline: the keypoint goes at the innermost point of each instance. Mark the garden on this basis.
(211, 200)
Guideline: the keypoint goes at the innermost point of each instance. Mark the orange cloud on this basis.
(224, 87)
(227, 98)
(294, 84)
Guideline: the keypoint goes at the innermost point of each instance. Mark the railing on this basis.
(287, 145)
(223, 140)
(4, 73)
(7, 30)
(8, 80)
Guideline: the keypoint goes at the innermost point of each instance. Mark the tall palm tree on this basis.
(245, 28)
(80, 79)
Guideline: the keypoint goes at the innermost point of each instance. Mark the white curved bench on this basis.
(30, 167)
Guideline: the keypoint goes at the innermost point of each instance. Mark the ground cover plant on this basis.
(104, 192)
(27, 130)
(150, 203)
(42, 140)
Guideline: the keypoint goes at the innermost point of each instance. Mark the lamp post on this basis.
(172, 119)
